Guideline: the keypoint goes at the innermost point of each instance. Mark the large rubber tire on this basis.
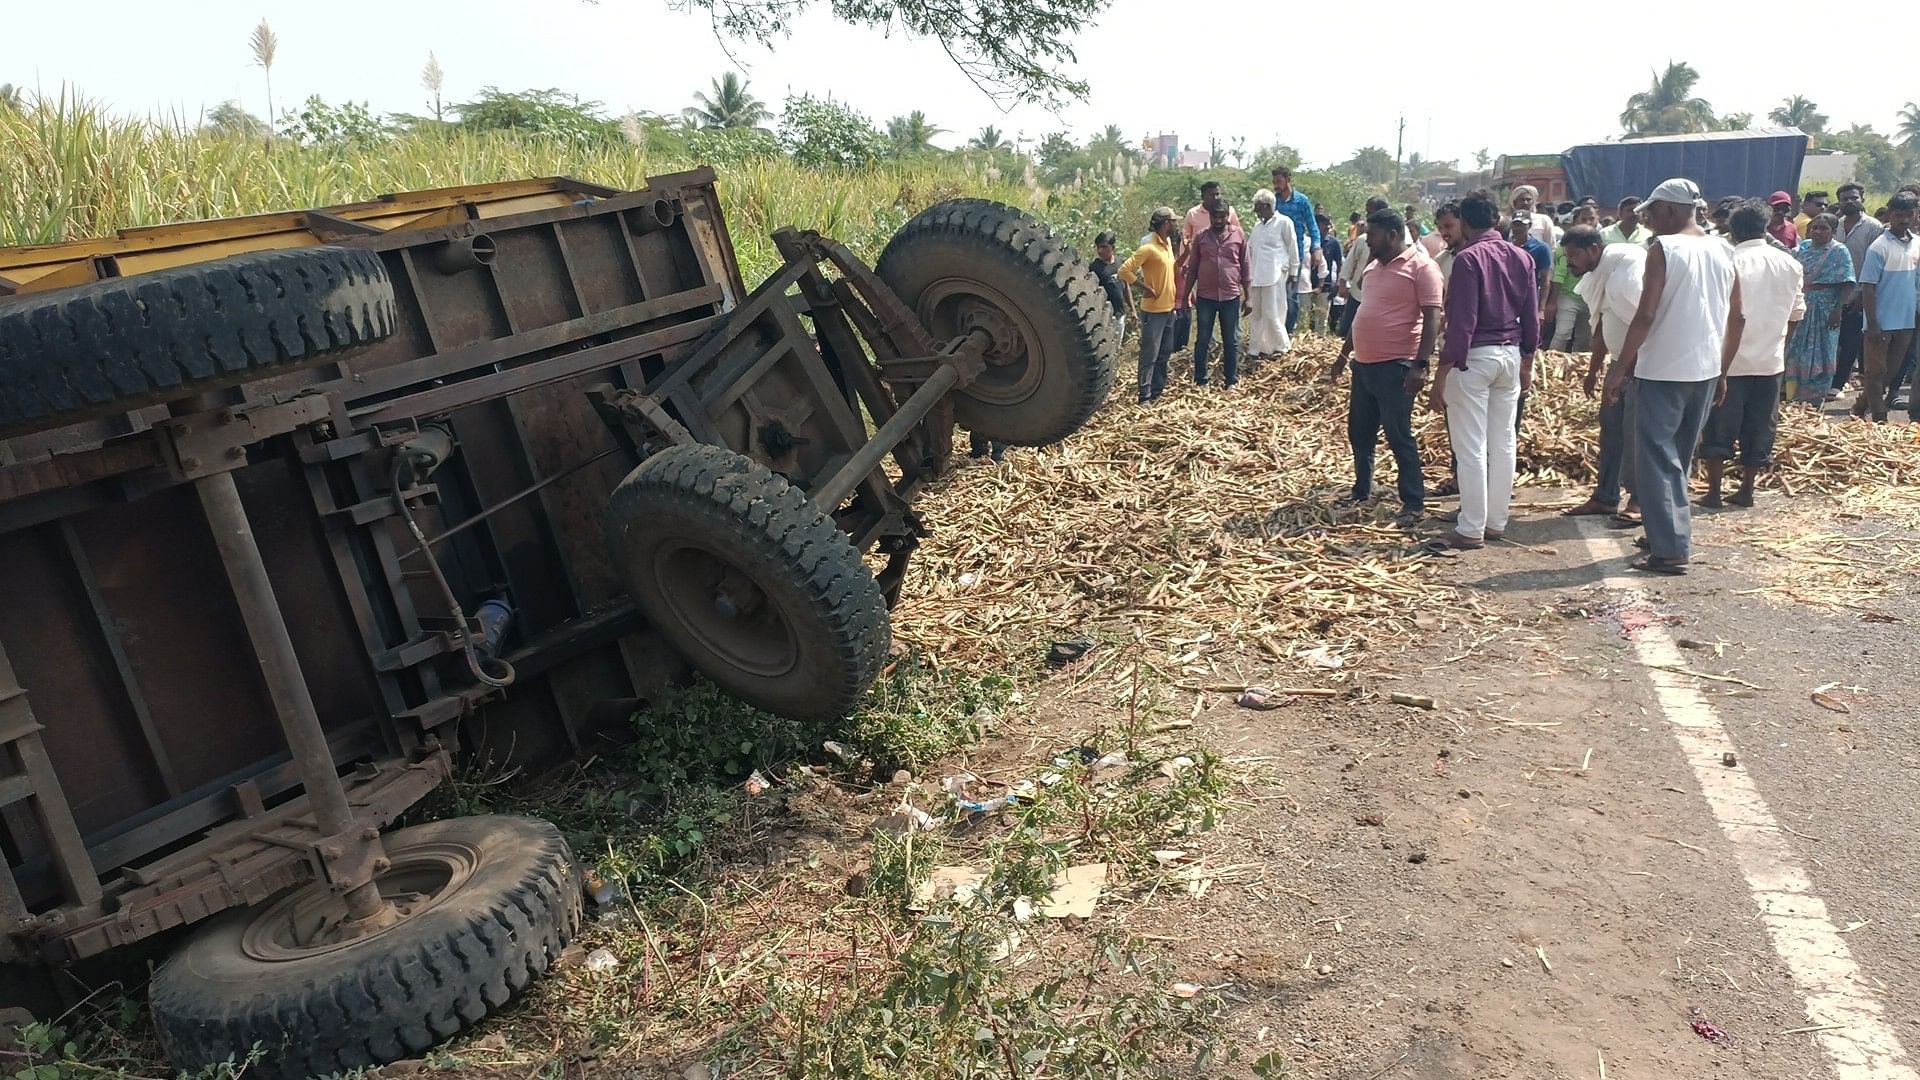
(803, 635)
(969, 262)
(389, 995)
(126, 343)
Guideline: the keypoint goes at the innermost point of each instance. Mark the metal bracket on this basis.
(202, 444)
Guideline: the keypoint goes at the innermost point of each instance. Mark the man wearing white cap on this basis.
(1684, 335)
(1542, 229)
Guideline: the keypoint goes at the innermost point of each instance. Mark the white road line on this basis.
(1861, 1045)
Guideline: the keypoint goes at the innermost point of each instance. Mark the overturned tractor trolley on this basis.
(297, 509)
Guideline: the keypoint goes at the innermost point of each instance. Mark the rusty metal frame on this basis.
(684, 354)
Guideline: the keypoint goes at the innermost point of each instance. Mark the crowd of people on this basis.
(1699, 320)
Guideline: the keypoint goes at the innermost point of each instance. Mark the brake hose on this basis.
(402, 465)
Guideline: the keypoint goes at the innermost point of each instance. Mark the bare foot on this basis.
(1709, 501)
(1743, 497)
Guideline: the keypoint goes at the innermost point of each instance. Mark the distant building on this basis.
(1193, 159)
(1542, 171)
(1163, 149)
(1828, 169)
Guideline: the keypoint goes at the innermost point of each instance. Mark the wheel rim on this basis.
(725, 610)
(954, 307)
(313, 920)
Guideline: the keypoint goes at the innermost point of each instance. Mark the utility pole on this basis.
(1399, 144)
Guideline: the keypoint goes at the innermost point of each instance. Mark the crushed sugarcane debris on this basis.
(1205, 525)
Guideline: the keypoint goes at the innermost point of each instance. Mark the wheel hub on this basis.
(725, 609)
(956, 307)
(313, 920)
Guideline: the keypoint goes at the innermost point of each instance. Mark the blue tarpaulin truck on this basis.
(1754, 163)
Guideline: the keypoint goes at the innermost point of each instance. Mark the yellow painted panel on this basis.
(142, 262)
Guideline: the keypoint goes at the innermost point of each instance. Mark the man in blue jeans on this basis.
(1219, 272)
(1151, 268)
(1392, 342)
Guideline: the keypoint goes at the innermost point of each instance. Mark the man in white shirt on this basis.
(1771, 297)
(1276, 263)
(1682, 337)
(1858, 230)
(1610, 279)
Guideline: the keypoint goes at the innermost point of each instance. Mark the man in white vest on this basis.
(1683, 335)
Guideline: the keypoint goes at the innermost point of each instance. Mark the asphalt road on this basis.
(1557, 873)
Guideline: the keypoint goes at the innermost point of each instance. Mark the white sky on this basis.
(1340, 90)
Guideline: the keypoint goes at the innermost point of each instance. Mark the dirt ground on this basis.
(1525, 881)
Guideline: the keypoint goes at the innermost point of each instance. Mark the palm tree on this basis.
(727, 106)
(990, 139)
(12, 98)
(1668, 106)
(911, 133)
(1110, 142)
(1734, 121)
(265, 45)
(1798, 112)
(1858, 130)
(1909, 124)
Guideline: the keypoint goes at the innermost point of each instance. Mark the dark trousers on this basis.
(1205, 313)
(1182, 329)
(1293, 307)
(1746, 419)
(1853, 325)
(1380, 402)
(1667, 417)
(1905, 379)
(1156, 344)
(1615, 451)
(1353, 309)
(1880, 359)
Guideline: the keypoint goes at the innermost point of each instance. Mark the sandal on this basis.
(1653, 564)
(1591, 509)
(1624, 521)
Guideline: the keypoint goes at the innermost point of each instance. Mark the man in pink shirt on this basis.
(1393, 338)
(1198, 219)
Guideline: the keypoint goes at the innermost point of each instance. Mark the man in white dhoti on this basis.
(1275, 253)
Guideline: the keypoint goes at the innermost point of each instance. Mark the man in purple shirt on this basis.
(1486, 363)
(1218, 274)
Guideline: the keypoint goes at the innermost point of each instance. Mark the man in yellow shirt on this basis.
(1151, 268)
(1812, 205)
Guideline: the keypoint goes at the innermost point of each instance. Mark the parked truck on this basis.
(1751, 163)
(297, 511)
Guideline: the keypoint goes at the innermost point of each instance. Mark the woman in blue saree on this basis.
(1814, 345)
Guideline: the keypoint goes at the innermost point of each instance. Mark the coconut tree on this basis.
(911, 133)
(1798, 112)
(727, 105)
(990, 139)
(1110, 142)
(1668, 107)
(1909, 125)
(1734, 121)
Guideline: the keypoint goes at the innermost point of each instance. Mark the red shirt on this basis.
(1387, 326)
(1219, 264)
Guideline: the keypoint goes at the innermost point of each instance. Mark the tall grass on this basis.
(69, 170)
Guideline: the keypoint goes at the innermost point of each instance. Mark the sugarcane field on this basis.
(639, 579)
